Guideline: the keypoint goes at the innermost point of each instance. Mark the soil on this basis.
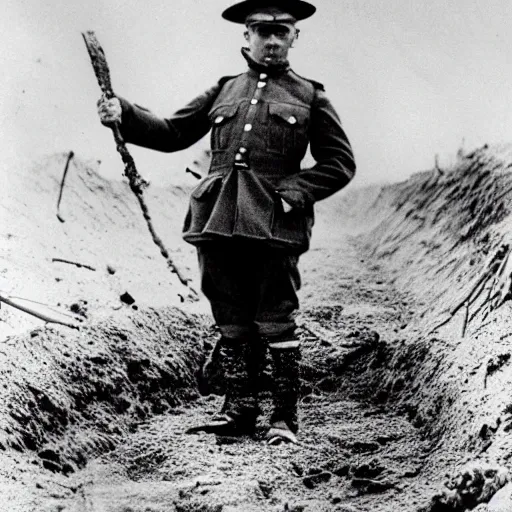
(404, 398)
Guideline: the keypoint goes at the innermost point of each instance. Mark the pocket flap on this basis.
(206, 186)
(291, 114)
(222, 113)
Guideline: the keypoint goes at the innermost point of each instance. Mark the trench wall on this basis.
(435, 233)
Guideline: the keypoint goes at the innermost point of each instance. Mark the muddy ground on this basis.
(398, 412)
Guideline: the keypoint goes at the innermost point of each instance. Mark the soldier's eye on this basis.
(279, 32)
(264, 32)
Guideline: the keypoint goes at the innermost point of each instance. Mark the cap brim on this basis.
(238, 13)
(271, 23)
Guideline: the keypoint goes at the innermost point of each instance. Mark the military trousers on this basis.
(252, 287)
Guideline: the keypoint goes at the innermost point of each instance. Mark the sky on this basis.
(410, 79)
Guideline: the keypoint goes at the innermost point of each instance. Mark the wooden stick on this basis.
(70, 156)
(500, 270)
(466, 316)
(31, 311)
(137, 183)
(494, 266)
(79, 265)
(195, 174)
(439, 325)
(483, 279)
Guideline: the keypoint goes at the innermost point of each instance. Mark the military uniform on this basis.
(261, 123)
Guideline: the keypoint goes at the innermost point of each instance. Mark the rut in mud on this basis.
(400, 410)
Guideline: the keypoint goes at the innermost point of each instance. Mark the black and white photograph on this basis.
(256, 256)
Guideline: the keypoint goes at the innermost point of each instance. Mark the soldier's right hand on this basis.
(109, 110)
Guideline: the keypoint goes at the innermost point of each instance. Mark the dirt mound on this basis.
(103, 231)
(68, 397)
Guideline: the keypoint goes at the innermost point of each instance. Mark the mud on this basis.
(398, 412)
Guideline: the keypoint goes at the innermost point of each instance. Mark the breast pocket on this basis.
(223, 123)
(287, 127)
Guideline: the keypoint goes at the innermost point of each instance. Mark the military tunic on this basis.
(261, 123)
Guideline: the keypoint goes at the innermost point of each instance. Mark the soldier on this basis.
(251, 217)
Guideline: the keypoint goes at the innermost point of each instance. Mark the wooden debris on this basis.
(136, 182)
(498, 271)
(79, 265)
(466, 317)
(194, 173)
(437, 167)
(70, 156)
(41, 311)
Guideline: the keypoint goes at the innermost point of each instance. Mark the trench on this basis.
(359, 447)
(392, 411)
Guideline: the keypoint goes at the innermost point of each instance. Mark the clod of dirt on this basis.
(497, 362)
(79, 308)
(126, 298)
(266, 489)
(364, 446)
(51, 460)
(474, 484)
(371, 469)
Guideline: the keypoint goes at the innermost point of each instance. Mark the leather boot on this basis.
(285, 357)
(210, 378)
(240, 410)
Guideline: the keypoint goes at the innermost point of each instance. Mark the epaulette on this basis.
(225, 79)
(316, 85)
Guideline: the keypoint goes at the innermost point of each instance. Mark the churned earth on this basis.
(405, 401)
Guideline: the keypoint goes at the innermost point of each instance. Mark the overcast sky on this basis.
(409, 78)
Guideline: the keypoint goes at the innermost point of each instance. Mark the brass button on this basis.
(254, 101)
(263, 76)
(261, 84)
(238, 156)
(247, 127)
(292, 119)
(219, 119)
(242, 150)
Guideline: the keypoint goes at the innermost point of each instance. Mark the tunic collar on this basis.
(271, 70)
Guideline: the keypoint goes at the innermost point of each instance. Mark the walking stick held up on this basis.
(136, 181)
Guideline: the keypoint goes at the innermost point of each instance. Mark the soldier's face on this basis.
(269, 44)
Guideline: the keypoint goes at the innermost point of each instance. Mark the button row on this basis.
(248, 127)
(239, 155)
